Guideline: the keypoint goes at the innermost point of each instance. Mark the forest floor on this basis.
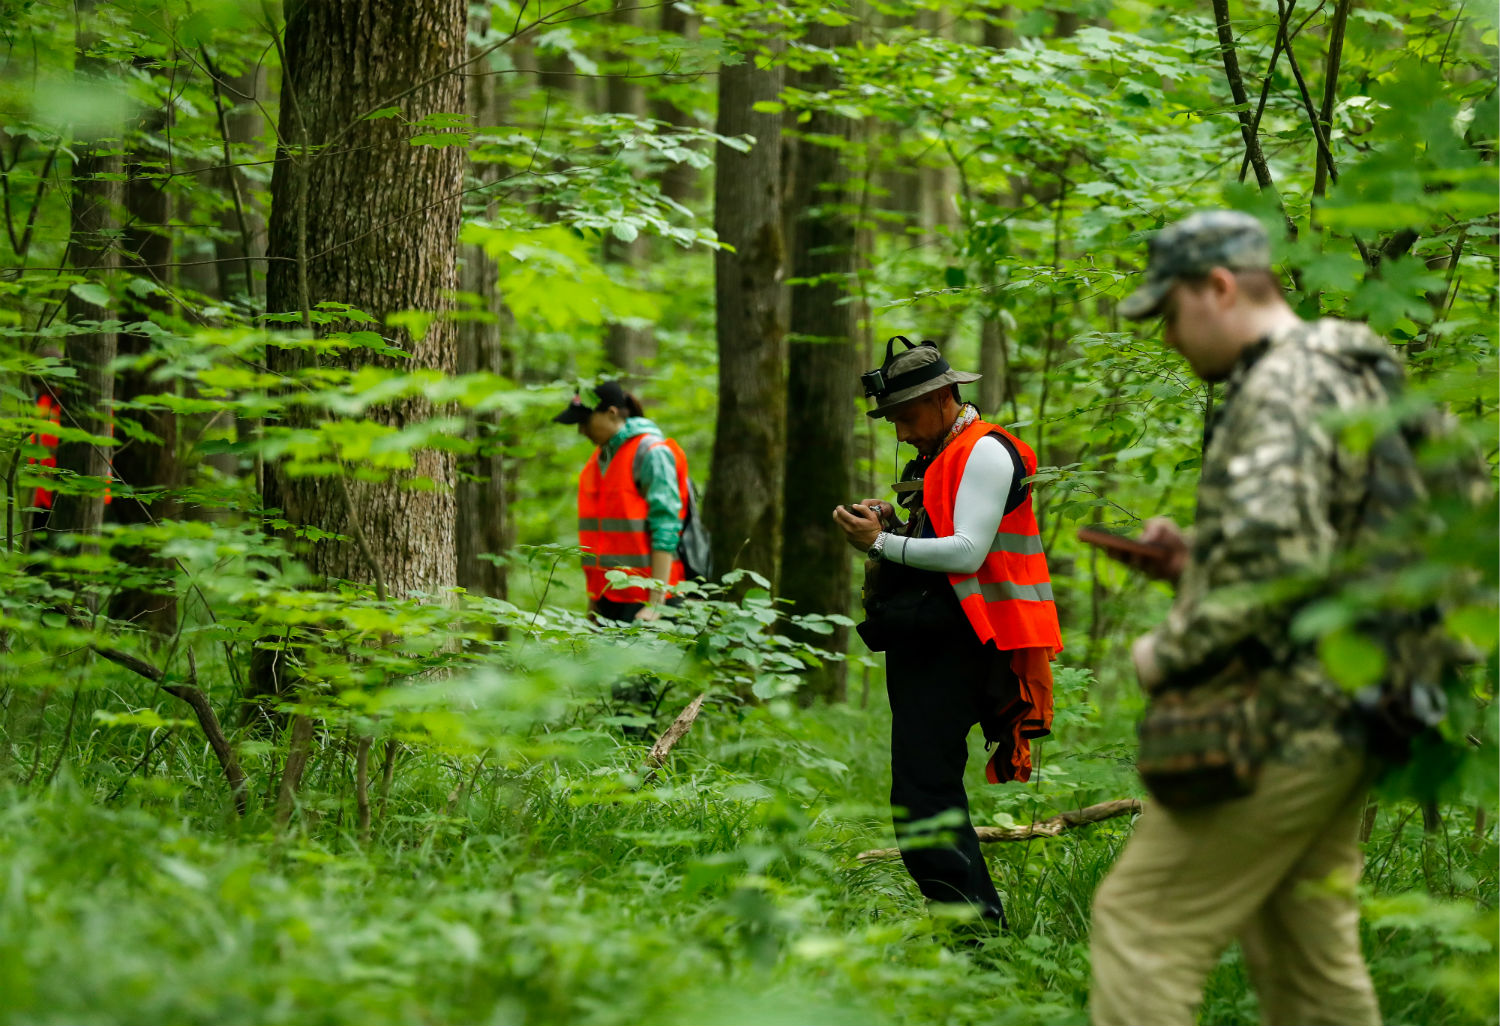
(552, 888)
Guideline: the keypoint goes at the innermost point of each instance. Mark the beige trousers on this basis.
(1276, 869)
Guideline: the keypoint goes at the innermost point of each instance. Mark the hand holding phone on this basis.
(1114, 542)
(1160, 551)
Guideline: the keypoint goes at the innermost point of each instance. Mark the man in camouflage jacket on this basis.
(1279, 500)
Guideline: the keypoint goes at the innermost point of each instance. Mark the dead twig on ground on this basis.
(1050, 827)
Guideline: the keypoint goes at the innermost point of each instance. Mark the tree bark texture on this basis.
(679, 182)
(994, 342)
(146, 465)
(1330, 94)
(821, 374)
(242, 227)
(94, 205)
(937, 184)
(743, 504)
(1237, 91)
(361, 216)
(485, 478)
(630, 347)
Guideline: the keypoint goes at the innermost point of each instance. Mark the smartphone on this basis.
(863, 511)
(1119, 542)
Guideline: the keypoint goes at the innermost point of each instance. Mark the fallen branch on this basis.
(1050, 827)
(202, 708)
(673, 734)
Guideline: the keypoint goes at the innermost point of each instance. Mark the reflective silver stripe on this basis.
(610, 524)
(1020, 544)
(617, 562)
(998, 591)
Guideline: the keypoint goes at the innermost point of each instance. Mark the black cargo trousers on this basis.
(942, 681)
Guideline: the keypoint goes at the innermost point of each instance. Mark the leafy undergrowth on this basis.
(549, 886)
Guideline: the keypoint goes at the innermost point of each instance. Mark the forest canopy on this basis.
(302, 712)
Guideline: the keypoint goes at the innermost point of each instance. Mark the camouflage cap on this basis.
(1193, 246)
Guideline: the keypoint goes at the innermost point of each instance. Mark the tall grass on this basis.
(546, 885)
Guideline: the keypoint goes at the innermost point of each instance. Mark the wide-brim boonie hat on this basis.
(914, 373)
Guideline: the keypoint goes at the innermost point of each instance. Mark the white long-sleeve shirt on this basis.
(977, 511)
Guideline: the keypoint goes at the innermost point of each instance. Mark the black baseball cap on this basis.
(600, 397)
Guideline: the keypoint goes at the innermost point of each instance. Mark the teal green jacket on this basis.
(656, 478)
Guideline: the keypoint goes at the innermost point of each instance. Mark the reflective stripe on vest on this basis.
(1020, 544)
(1008, 601)
(616, 562)
(610, 524)
(995, 591)
(613, 526)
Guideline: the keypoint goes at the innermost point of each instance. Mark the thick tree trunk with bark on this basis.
(149, 466)
(743, 504)
(93, 213)
(821, 374)
(486, 479)
(361, 216)
(678, 181)
(630, 347)
(994, 340)
(242, 228)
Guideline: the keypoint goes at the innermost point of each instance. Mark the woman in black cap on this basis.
(632, 501)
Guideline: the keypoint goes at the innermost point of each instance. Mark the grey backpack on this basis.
(695, 546)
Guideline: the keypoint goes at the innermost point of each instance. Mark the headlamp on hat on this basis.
(909, 374)
(877, 385)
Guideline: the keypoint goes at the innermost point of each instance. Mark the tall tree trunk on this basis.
(377, 231)
(1330, 92)
(147, 466)
(240, 241)
(94, 204)
(630, 347)
(821, 373)
(485, 526)
(938, 183)
(743, 505)
(994, 341)
(679, 182)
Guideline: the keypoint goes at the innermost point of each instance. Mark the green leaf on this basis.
(440, 140)
(1475, 624)
(1352, 659)
(94, 295)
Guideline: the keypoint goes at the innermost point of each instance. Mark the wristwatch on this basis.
(877, 547)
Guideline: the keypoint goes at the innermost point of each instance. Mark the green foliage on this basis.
(526, 861)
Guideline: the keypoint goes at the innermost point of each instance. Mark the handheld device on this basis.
(1119, 542)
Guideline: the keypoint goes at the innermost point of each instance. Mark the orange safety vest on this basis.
(612, 528)
(1009, 599)
(1008, 602)
(47, 408)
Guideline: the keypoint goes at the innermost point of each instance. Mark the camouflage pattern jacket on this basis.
(1278, 499)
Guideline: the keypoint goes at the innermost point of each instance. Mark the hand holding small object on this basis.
(1159, 552)
(861, 525)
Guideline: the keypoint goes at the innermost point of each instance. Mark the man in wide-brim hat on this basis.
(958, 597)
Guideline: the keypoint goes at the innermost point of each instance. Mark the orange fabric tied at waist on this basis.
(1028, 717)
